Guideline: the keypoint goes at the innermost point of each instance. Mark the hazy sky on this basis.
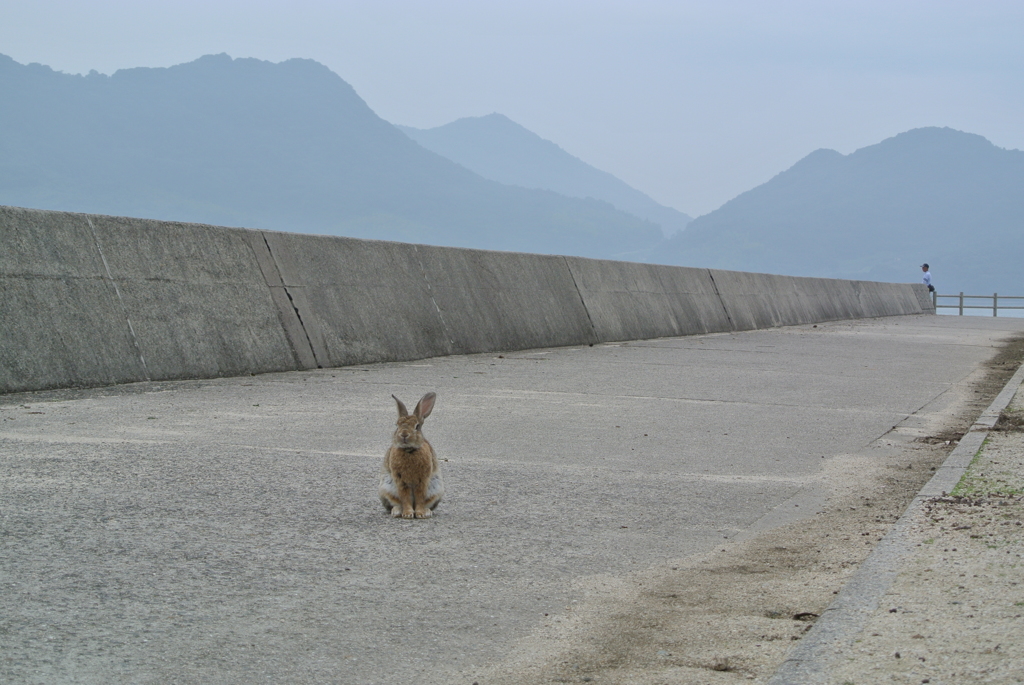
(691, 102)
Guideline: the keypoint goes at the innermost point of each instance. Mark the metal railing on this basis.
(994, 297)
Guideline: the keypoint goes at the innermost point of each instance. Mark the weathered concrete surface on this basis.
(92, 300)
(924, 298)
(765, 300)
(195, 297)
(492, 301)
(359, 300)
(630, 301)
(377, 301)
(228, 530)
(61, 320)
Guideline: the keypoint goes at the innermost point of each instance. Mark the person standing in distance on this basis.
(927, 278)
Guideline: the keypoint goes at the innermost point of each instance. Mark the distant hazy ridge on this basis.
(497, 148)
(933, 195)
(292, 147)
(287, 146)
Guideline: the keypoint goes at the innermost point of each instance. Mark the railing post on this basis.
(935, 301)
(961, 303)
(995, 304)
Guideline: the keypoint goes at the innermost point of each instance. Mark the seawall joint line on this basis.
(721, 301)
(291, 300)
(430, 291)
(120, 300)
(583, 302)
(298, 315)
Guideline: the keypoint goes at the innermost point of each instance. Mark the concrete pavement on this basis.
(228, 530)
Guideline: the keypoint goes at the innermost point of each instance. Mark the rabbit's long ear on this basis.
(425, 405)
(402, 411)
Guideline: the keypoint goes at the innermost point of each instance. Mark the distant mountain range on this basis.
(934, 195)
(292, 147)
(497, 148)
(286, 146)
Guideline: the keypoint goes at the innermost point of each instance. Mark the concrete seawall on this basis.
(92, 300)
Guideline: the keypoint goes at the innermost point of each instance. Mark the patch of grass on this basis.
(983, 479)
(974, 487)
(967, 486)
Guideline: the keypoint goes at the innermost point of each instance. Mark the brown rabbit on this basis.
(410, 482)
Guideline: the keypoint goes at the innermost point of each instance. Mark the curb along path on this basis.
(943, 584)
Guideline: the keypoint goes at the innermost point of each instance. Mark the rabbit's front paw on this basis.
(425, 514)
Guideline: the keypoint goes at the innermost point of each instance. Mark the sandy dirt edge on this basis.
(733, 615)
(955, 614)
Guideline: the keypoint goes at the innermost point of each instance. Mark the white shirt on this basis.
(927, 279)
